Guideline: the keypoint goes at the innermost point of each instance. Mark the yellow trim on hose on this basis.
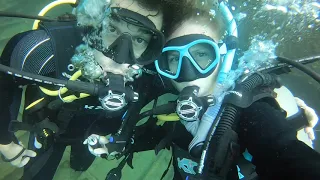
(63, 90)
(163, 118)
(34, 103)
(49, 7)
(71, 98)
(67, 99)
(169, 117)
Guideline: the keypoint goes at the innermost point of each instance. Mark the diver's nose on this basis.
(187, 70)
(122, 51)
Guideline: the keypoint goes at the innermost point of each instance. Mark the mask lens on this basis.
(203, 54)
(169, 62)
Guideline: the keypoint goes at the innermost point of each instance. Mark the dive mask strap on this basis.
(230, 43)
(222, 48)
(138, 20)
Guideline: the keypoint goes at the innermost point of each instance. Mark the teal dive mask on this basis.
(188, 58)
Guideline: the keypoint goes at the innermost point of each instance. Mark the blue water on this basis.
(291, 44)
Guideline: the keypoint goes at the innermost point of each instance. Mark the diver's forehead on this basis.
(194, 27)
(133, 5)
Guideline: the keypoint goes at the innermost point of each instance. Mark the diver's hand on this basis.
(16, 154)
(97, 145)
(311, 117)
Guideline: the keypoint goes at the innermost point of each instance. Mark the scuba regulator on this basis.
(116, 95)
(190, 107)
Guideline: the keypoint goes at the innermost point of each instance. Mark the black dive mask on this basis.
(122, 49)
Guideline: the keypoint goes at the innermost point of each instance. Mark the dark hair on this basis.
(170, 9)
(153, 5)
(164, 6)
(150, 4)
(183, 10)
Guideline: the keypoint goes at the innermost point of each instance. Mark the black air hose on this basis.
(249, 84)
(259, 79)
(30, 76)
(18, 15)
(301, 67)
(63, 18)
(213, 166)
(77, 86)
(227, 120)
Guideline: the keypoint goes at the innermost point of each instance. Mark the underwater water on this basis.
(293, 26)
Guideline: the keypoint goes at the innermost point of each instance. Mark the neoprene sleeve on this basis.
(276, 151)
(7, 86)
(6, 94)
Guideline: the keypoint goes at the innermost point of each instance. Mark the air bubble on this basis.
(212, 12)
(311, 26)
(240, 16)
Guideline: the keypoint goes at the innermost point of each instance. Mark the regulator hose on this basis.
(18, 15)
(260, 79)
(301, 67)
(42, 18)
(78, 86)
(215, 168)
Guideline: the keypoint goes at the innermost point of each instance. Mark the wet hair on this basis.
(185, 10)
(166, 6)
(170, 9)
(153, 5)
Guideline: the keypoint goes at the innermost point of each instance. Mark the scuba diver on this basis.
(85, 78)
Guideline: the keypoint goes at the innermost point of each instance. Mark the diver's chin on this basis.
(115, 68)
(110, 66)
(128, 73)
